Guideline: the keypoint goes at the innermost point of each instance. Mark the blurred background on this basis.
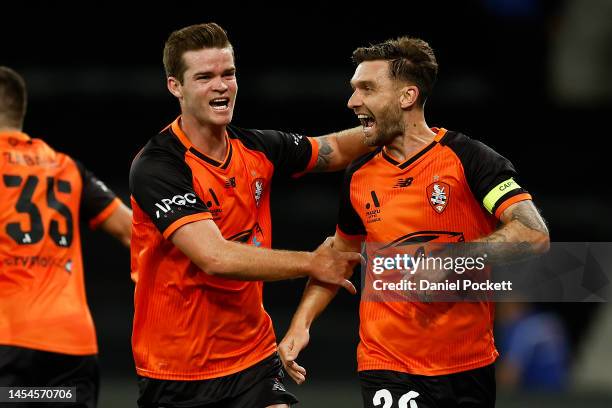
(532, 79)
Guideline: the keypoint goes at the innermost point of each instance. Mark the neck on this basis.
(416, 135)
(208, 139)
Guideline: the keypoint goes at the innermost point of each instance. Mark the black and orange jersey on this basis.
(42, 295)
(453, 190)
(190, 325)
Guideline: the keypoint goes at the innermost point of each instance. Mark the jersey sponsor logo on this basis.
(404, 182)
(438, 194)
(38, 261)
(258, 190)
(214, 206)
(373, 210)
(166, 204)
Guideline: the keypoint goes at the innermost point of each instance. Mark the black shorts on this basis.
(256, 387)
(473, 389)
(23, 367)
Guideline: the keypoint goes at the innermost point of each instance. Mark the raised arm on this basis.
(337, 150)
(203, 243)
(317, 296)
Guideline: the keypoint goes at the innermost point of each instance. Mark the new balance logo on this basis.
(403, 182)
(230, 183)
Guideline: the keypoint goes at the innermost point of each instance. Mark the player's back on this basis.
(41, 273)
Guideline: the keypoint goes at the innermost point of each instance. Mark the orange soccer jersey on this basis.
(453, 190)
(189, 325)
(42, 294)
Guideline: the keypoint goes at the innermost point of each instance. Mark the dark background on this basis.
(97, 92)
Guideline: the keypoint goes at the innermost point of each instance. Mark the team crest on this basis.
(258, 189)
(438, 194)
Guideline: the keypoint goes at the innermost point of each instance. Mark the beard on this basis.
(389, 125)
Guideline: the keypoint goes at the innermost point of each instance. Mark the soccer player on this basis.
(419, 184)
(47, 336)
(202, 232)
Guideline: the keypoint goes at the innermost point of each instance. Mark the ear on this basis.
(408, 96)
(175, 87)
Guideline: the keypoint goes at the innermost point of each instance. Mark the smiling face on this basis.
(208, 88)
(376, 102)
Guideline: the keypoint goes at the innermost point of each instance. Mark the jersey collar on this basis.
(176, 129)
(440, 132)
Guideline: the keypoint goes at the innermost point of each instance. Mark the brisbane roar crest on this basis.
(258, 190)
(438, 194)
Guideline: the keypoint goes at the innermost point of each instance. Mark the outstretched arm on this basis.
(317, 296)
(337, 150)
(203, 243)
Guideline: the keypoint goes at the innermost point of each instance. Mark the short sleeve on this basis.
(97, 201)
(292, 154)
(162, 186)
(492, 178)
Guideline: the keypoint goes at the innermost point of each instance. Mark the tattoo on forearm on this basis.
(526, 213)
(503, 246)
(325, 153)
(502, 251)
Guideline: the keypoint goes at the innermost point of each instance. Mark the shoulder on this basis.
(466, 147)
(361, 162)
(262, 140)
(162, 150)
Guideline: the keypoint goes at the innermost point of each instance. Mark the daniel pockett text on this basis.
(446, 275)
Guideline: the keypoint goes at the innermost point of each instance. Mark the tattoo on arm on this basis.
(504, 245)
(526, 213)
(325, 154)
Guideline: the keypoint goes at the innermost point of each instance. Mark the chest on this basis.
(237, 196)
(430, 200)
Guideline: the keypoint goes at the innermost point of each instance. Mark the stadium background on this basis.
(533, 79)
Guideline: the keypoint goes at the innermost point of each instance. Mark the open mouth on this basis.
(219, 104)
(367, 122)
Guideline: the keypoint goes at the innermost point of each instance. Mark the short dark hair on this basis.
(194, 37)
(13, 97)
(411, 60)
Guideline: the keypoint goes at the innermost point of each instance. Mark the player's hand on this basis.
(289, 349)
(331, 266)
(432, 276)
